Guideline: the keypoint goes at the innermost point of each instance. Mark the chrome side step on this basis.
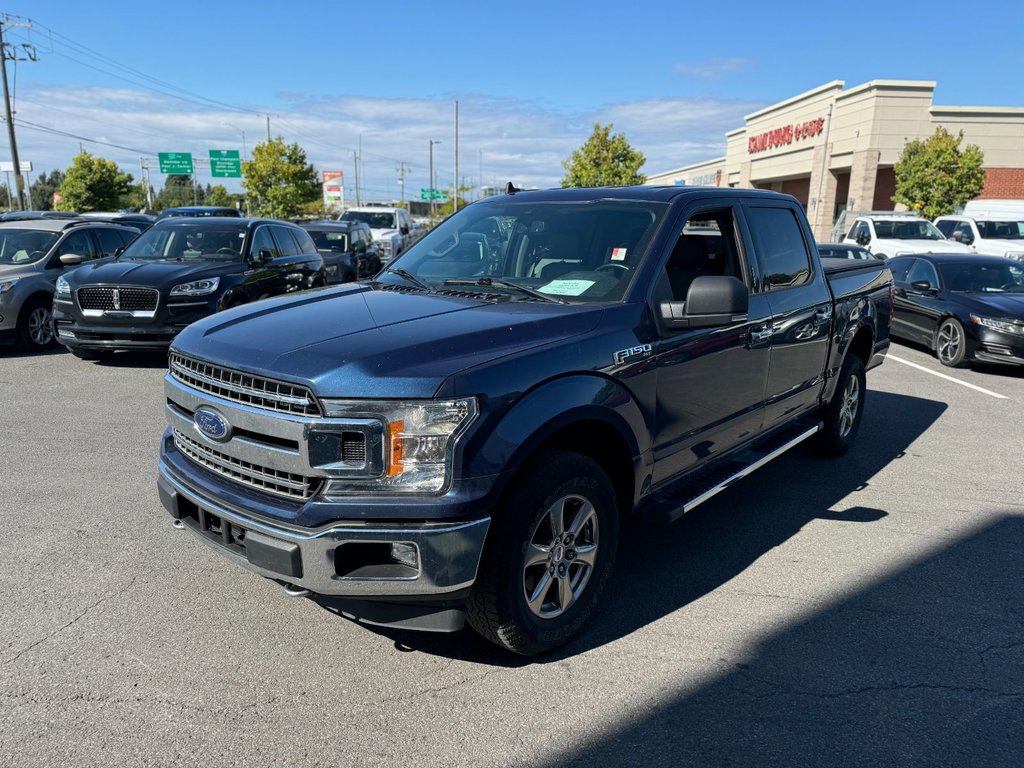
(675, 502)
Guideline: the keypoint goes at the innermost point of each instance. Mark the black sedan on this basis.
(963, 307)
(174, 273)
(347, 248)
(844, 251)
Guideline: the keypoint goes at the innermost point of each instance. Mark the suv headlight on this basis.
(416, 444)
(1016, 255)
(63, 287)
(196, 287)
(1005, 326)
(7, 285)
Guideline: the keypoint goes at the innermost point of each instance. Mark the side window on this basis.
(110, 240)
(781, 250)
(900, 268)
(945, 226)
(706, 245)
(923, 271)
(306, 244)
(262, 240)
(285, 242)
(78, 243)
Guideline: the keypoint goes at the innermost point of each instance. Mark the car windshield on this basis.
(376, 219)
(963, 277)
(563, 251)
(914, 229)
(1001, 230)
(24, 246)
(198, 241)
(330, 242)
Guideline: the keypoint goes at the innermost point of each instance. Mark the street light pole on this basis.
(430, 192)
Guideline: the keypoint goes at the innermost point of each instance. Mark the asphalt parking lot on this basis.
(861, 611)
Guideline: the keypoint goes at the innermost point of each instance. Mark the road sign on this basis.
(7, 166)
(176, 162)
(432, 194)
(225, 163)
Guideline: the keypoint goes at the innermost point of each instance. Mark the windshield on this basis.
(1002, 230)
(197, 241)
(845, 253)
(330, 242)
(963, 277)
(574, 252)
(24, 246)
(376, 220)
(914, 229)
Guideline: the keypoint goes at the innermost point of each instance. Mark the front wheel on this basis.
(35, 326)
(842, 414)
(950, 343)
(549, 553)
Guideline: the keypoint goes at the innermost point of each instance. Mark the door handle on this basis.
(760, 334)
(823, 314)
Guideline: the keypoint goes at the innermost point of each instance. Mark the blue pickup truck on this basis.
(460, 438)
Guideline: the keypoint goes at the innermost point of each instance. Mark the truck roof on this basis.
(640, 192)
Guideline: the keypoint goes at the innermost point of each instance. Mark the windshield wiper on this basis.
(487, 282)
(410, 277)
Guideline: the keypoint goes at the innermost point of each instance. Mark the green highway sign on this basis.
(432, 194)
(225, 163)
(176, 162)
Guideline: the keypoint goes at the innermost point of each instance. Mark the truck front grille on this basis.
(118, 298)
(244, 388)
(267, 479)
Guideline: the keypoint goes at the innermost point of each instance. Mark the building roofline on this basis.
(1009, 111)
(902, 85)
(688, 167)
(830, 86)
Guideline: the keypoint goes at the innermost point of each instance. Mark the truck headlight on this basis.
(1016, 255)
(1004, 326)
(7, 285)
(417, 443)
(196, 287)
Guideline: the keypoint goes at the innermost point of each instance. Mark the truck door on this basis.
(801, 309)
(711, 381)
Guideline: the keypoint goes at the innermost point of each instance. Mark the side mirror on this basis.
(966, 238)
(863, 239)
(922, 286)
(712, 300)
(71, 259)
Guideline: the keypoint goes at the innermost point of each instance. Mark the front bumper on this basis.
(346, 559)
(994, 346)
(115, 331)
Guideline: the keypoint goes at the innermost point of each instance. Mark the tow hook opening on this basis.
(293, 591)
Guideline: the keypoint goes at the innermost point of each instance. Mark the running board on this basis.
(675, 501)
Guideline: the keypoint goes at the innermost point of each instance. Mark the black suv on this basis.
(176, 272)
(347, 248)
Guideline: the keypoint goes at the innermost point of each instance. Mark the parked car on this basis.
(200, 210)
(141, 221)
(989, 236)
(34, 252)
(460, 437)
(347, 248)
(843, 251)
(392, 228)
(888, 234)
(962, 308)
(176, 272)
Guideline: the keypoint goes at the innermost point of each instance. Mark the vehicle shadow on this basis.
(134, 360)
(1005, 371)
(671, 566)
(923, 668)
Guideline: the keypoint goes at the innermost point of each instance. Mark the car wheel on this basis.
(842, 414)
(35, 325)
(549, 552)
(950, 343)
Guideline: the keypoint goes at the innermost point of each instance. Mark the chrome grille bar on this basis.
(244, 387)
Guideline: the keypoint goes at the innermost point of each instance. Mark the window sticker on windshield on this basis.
(618, 254)
(566, 287)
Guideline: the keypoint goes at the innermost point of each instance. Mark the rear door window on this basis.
(262, 241)
(110, 240)
(285, 242)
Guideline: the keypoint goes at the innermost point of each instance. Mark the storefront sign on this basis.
(787, 134)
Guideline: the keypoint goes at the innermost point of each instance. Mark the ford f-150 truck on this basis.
(460, 438)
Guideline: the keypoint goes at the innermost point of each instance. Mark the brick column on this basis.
(863, 173)
(822, 195)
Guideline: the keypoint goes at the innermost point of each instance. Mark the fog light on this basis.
(405, 554)
(65, 334)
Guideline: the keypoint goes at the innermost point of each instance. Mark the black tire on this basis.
(93, 354)
(842, 414)
(950, 343)
(35, 325)
(562, 485)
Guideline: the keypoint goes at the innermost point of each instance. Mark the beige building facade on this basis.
(834, 149)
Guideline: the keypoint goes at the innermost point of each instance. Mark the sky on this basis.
(531, 78)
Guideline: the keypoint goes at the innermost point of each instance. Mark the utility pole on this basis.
(480, 178)
(355, 163)
(402, 168)
(146, 180)
(455, 201)
(12, 55)
(430, 192)
(268, 126)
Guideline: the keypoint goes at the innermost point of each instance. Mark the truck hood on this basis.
(366, 342)
(893, 247)
(379, 234)
(152, 274)
(997, 247)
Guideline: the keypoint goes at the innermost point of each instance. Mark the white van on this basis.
(988, 235)
(995, 209)
(889, 233)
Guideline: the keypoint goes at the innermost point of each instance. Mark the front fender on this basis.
(548, 408)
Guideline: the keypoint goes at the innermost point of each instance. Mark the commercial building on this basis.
(834, 149)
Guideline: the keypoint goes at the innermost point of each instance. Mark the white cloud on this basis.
(710, 69)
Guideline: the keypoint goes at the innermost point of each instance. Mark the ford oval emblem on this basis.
(212, 425)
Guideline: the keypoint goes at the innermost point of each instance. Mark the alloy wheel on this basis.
(950, 340)
(560, 557)
(40, 326)
(851, 403)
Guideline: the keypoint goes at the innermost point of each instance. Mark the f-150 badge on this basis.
(633, 353)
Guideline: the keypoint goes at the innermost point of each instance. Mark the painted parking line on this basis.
(948, 378)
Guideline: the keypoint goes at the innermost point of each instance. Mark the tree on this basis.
(279, 180)
(180, 189)
(604, 160)
(42, 189)
(934, 176)
(447, 208)
(93, 184)
(219, 195)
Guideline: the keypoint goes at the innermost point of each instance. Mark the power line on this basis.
(58, 132)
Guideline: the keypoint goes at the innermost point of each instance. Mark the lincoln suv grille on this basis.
(244, 387)
(118, 298)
